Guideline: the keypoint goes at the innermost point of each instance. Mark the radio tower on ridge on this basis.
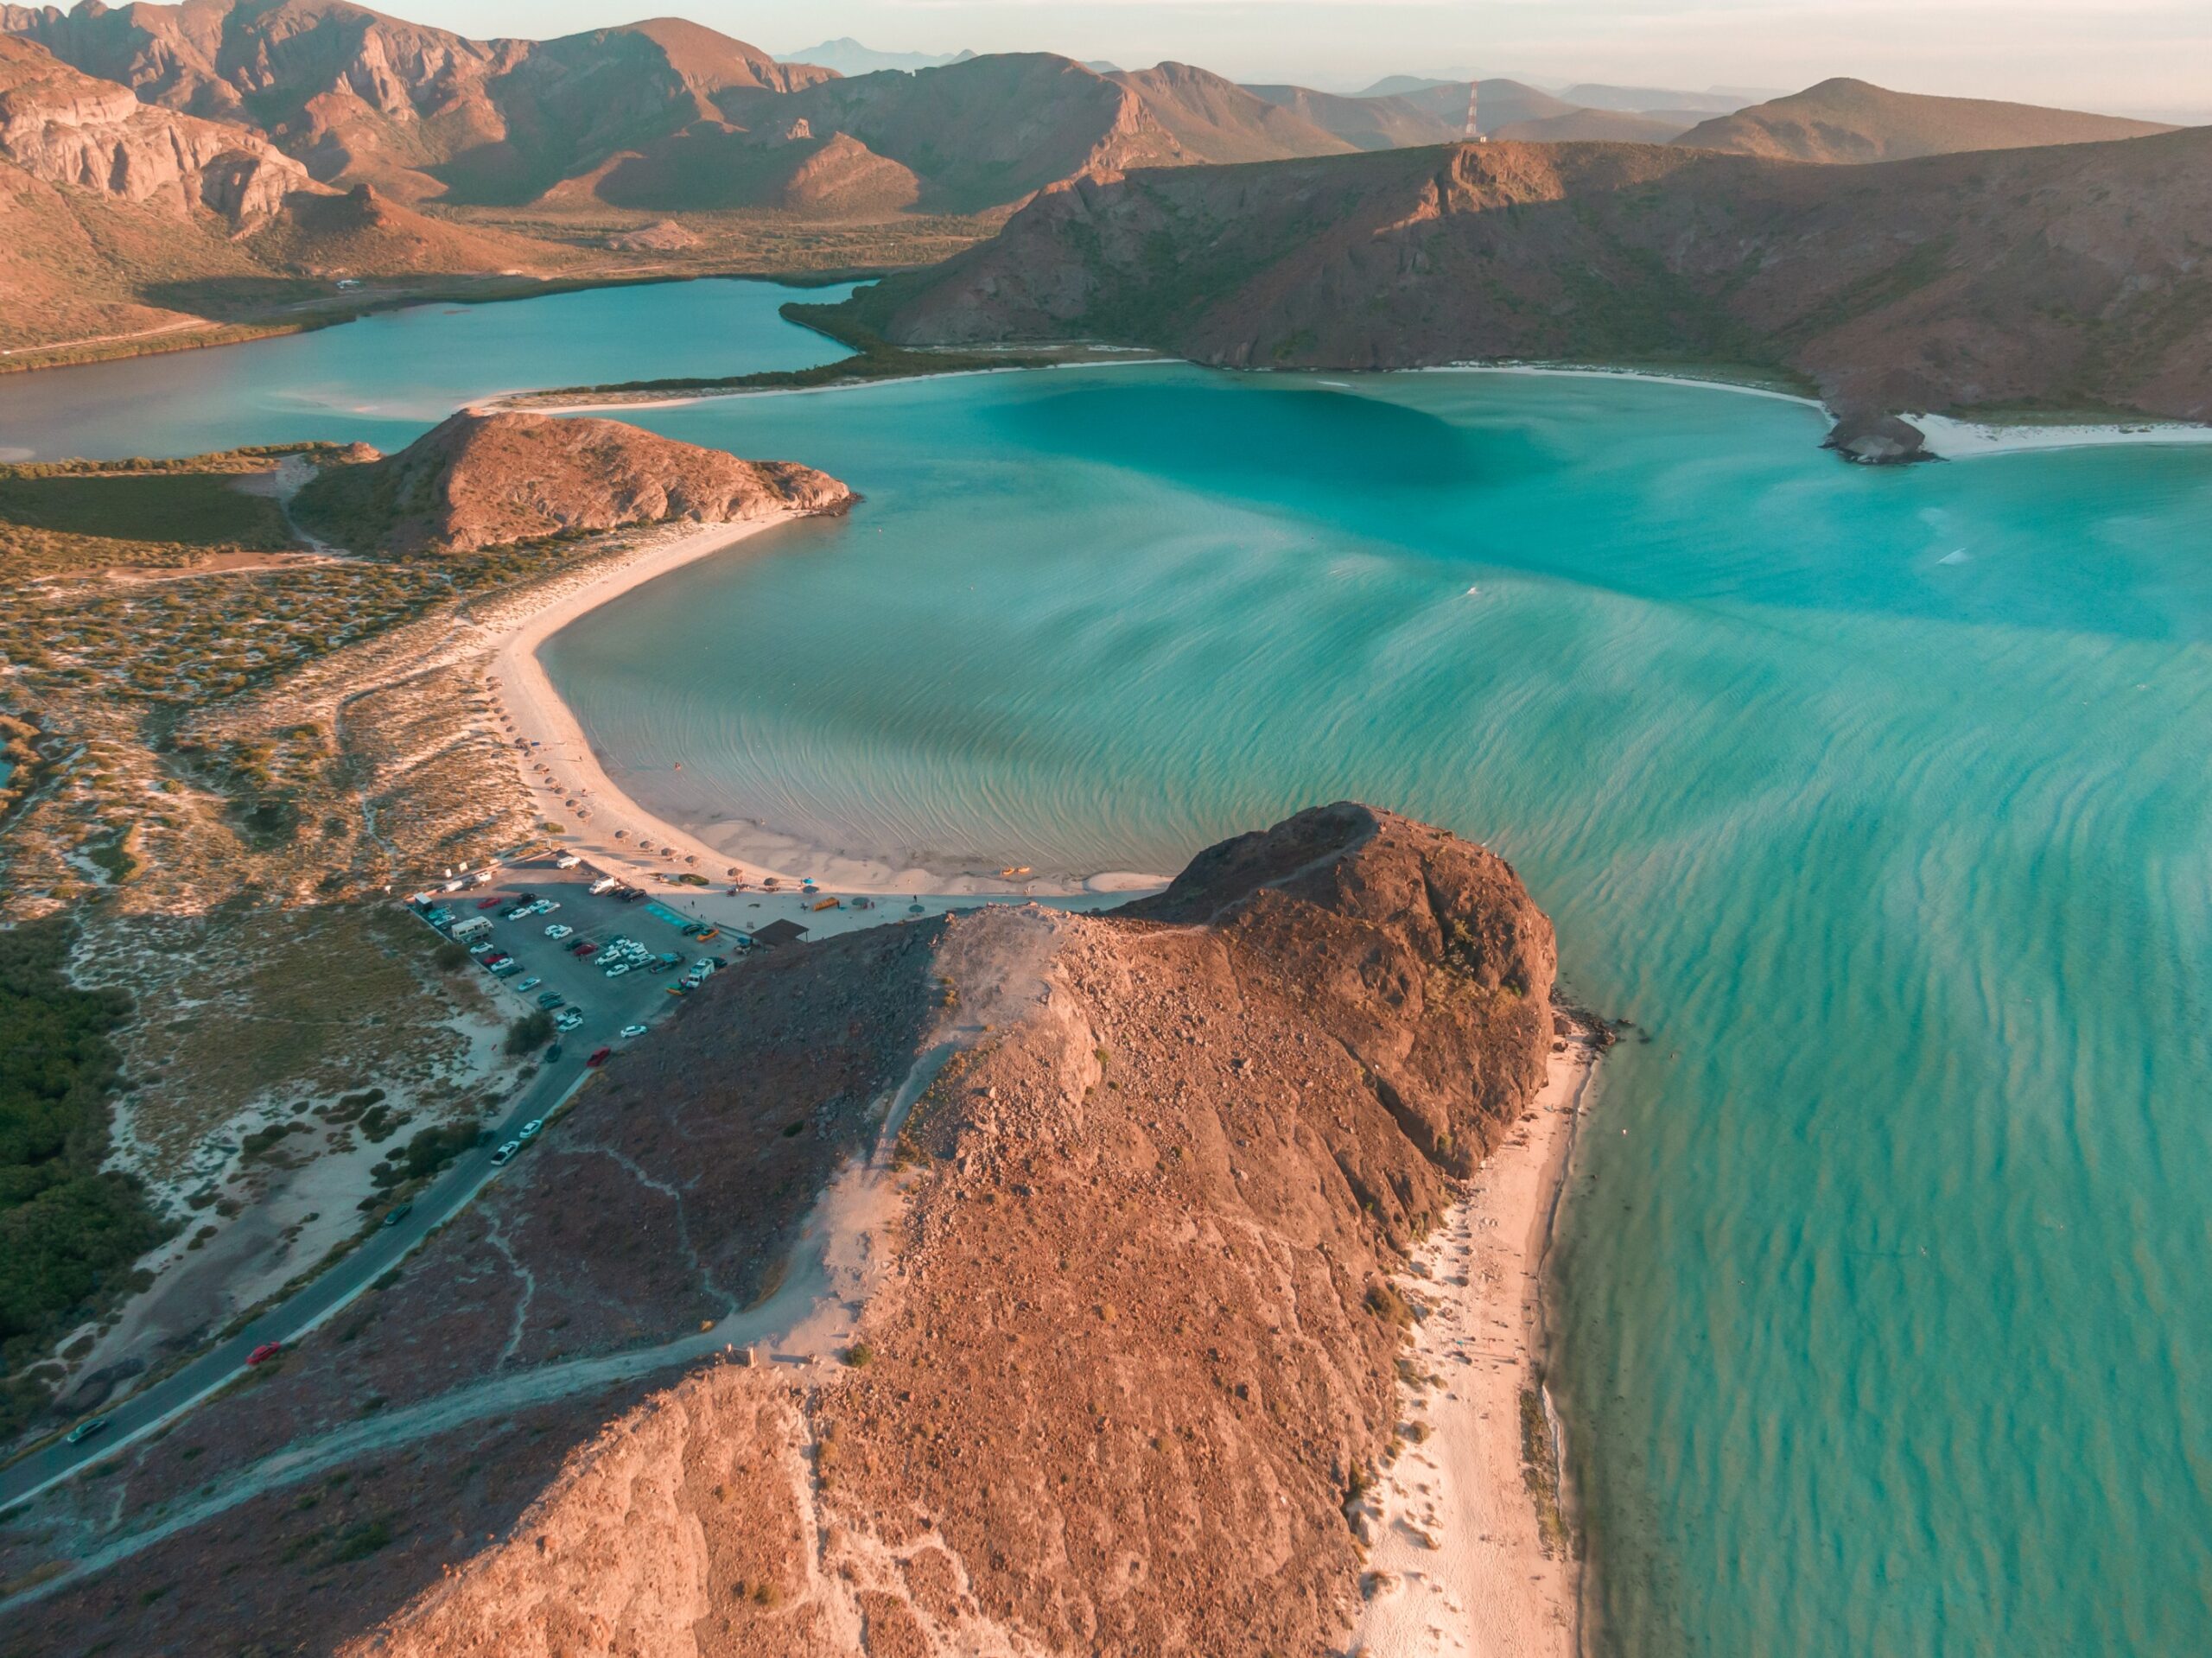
(1474, 134)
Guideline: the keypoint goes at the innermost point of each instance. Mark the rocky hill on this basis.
(1846, 120)
(988, 132)
(122, 217)
(65, 127)
(2065, 277)
(1378, 123)
(487, 480)
(1098, 1212)
(417, 111)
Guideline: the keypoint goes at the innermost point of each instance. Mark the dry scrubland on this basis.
(1108, 1211)
(227, 749)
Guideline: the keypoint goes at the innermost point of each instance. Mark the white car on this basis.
(569, 1021)
(634, 1029)
(556, 931)
(547, 906)
(704, 966)
(567, 861)
(506, 1151)
(528, 984)
(530, 1129)
(618, 970)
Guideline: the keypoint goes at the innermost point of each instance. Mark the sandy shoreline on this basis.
(1967, 440)
(625, 838)
(1459, 1565)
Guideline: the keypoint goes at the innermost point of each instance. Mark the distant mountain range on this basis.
(161, 164)
(2066, 275)
(1853, 121)
(849, 57)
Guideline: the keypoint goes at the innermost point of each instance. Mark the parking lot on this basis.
(551, 967)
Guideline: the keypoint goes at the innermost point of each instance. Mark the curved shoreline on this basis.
(625, 838)
(1465, 1562)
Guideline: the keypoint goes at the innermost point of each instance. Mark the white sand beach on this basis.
(1459, 1564)
(1967, 440)
(558, 765)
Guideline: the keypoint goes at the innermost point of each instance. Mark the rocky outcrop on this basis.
(69, 128)
(486, 481)
(2070, 276)
(1877, 440)
(1113, 1299)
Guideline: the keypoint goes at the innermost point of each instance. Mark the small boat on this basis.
(1008, 874)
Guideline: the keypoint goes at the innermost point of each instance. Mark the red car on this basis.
(587, 948)
(487, 903)
(264, 1353)
(598, 1060)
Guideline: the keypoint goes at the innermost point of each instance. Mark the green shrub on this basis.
(529, 1033)
(69, 1232)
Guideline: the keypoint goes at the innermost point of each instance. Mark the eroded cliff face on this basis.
(1130, 1348)
(69, 128)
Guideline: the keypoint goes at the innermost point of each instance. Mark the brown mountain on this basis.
(486, 480)
(989, 132)
(1211, 119)
(1113, 1201)
(129, 218)
(1437, 115)
(418, 112)
(1853, 121)
(1498, 103)
(70, 129)
(2072, 275)
(1382, 122)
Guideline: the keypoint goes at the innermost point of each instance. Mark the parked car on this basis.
(618, 970)
(506, 1151)
(567, 861)
(529, 1130)
(85, 1431)
(392, 1217)
(551, 999)
(547, 906)
(634, 1029)
(569, 1021)
(264, 1353)
(587, 948)
(528, 984)
(600, 1057)
(490, 902)
(553, 1053)
(558, 930)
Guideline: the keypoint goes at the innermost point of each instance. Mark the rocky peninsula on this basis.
(1010, 1281)
(480, 480)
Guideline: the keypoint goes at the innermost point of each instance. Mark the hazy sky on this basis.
(2117, 54)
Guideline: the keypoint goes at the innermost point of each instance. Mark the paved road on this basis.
(608, 1004)
(146, 1411)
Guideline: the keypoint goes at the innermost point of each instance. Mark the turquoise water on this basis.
(385, 378)
(1884, 1326)
(1885, 1329)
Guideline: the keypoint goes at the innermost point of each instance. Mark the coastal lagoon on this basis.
(386, 378)
(1876, 799)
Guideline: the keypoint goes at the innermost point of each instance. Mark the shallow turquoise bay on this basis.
(1885, 1329)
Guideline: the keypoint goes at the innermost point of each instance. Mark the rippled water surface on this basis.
(1877, 799)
